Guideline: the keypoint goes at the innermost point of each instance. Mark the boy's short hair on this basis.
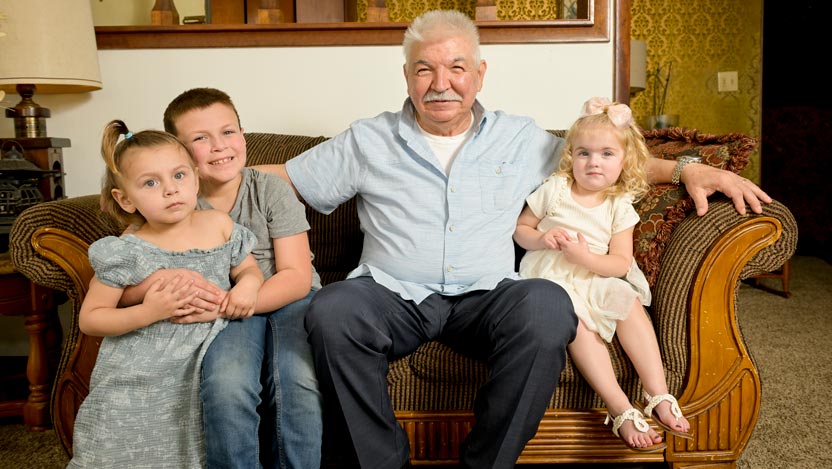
(195, 98)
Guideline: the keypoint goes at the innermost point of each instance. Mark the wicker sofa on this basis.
(694, 265)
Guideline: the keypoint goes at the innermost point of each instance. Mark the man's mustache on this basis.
(443, 96)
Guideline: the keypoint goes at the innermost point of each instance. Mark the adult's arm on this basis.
(702, 181)
(279, 170)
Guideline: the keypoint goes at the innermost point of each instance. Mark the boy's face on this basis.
(216, 140)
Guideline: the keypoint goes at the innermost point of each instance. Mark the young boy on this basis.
(273, 339)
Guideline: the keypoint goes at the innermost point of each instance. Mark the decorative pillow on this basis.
(666, 205)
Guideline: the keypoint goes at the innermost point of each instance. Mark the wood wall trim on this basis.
(621, 52)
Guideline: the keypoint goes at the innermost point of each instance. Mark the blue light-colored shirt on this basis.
(424, 231)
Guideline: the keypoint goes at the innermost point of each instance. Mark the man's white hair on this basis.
(441, 24)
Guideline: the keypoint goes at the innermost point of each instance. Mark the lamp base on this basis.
(29, 117)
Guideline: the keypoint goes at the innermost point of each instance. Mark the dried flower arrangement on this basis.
(661, 85)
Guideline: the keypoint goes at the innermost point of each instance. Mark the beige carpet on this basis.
(788, 339)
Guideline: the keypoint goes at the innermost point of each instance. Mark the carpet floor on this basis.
(788, 340)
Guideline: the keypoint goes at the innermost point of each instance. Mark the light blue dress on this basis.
(143, 408)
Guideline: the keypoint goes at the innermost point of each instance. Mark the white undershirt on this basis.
(446, 148)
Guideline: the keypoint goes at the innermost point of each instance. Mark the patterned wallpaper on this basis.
(701, 38)
(525, 10)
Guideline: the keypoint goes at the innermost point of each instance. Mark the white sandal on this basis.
(653, 401)
(641, 425)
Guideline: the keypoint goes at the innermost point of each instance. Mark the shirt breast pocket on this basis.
(498, 184)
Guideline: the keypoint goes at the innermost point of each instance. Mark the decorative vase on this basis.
(164, 13)
(662, 121)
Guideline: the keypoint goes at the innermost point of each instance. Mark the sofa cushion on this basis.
(665, 205)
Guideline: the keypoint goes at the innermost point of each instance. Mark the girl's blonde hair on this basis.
(633, 179)
(114, 153)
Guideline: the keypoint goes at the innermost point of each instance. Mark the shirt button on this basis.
(450, 268)
(451, 228)
(453, 189)
(499, 171)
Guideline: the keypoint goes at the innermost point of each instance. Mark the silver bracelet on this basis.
(681, 162)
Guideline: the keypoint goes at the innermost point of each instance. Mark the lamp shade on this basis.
(638, 65)
(49, 44)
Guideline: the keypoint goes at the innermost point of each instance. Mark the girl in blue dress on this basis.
(143, 408)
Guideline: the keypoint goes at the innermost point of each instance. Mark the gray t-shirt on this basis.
(268, 206)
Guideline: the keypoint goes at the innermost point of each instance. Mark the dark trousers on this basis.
(520, 329)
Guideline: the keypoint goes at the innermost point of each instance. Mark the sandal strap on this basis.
(653, 401)
(630, 414)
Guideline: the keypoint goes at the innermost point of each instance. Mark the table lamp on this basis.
(638, 66)
(46, 46)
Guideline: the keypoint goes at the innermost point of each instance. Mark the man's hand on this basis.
(702, 181)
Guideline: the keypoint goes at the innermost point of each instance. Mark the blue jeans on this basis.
(262, 362)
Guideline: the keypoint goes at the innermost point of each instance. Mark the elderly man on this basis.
(439, 186)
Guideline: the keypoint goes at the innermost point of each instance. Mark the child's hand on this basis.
(553, 238)
(240, 301)
(209, 296)
(196, 316)
(170, 299)
(576, 252)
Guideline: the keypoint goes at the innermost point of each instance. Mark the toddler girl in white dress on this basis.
(577, 228)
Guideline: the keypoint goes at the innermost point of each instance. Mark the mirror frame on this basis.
(594, 29)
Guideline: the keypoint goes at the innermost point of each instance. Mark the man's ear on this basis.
(123, 201)
(481, 73)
